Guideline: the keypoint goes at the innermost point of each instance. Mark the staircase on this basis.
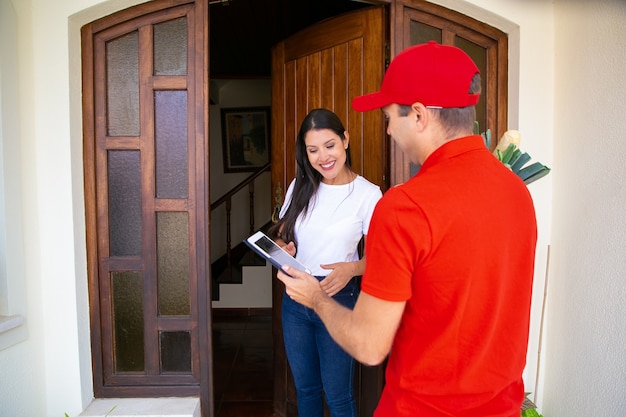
(223, 273)
(228, 269)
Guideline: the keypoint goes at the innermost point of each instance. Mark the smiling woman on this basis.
(326, 214)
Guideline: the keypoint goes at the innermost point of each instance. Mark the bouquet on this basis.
(512, 157)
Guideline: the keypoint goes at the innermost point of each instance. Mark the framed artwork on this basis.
(245, 138)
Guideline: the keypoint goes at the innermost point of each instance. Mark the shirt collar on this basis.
(454, 148)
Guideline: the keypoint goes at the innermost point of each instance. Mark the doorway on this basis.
(246, 55)
(124, 268)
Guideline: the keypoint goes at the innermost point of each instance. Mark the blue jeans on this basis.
(319, 365)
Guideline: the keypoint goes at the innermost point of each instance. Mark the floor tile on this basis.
(243, 372)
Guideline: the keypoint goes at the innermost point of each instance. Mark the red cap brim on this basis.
(370, 101)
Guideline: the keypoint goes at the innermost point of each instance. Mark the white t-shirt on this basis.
(337, 218)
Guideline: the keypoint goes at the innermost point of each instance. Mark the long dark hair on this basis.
(307, 178)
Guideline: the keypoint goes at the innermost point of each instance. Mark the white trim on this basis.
(10, 322)
(144, 407)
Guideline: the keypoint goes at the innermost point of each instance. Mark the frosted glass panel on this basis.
(127, 295)
(124, 203)
(170, 47)
(171, 144)
(176, 352)
(422, 33)
(122, 85)
(173, 263)
(479, 56)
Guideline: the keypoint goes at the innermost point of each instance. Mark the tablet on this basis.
(269, 250)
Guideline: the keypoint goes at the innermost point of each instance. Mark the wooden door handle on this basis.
(278, 202)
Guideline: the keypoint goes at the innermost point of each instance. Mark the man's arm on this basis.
(366, 332)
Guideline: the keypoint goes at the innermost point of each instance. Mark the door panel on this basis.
(327, 65)
(145, 80)
(418, 21)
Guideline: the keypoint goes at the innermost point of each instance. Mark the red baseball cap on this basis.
(432, 74)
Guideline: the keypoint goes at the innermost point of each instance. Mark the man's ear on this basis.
(421, 114)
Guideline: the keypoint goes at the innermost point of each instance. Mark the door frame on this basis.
(95, 145)
(326, 65)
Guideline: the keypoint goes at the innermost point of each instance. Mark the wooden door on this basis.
(145, 107)
(327, 65)
(419, 21)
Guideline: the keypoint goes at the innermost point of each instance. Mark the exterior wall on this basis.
(566, 91)
(17, 345)
(585, 349)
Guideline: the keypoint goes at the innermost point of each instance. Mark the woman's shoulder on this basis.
(366, 185)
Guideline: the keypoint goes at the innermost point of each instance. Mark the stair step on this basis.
(251, 259)
(234, 277)
(241, 255)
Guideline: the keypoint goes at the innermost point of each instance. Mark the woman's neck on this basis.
(346, 176)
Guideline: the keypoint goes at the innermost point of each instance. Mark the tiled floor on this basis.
(242, 347)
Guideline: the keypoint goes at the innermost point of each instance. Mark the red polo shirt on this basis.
(457, 243)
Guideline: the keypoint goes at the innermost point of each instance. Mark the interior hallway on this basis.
(243, 372)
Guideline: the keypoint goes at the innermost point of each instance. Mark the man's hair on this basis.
(455, 119)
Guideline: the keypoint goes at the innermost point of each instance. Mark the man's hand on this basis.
(366, 333)
(302, 287)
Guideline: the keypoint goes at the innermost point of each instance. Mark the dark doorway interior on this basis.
(243, 31)
(242, 34)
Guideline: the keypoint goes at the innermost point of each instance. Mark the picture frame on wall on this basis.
(245, 138)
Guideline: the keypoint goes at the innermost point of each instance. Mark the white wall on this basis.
(586, 330)
(256, 289)
(21, 356)
(566, 97)
(231, 94)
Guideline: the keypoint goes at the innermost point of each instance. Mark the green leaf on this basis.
(487, 138)
(508, 153)
(531, 412)
(521, 161)
(533, 172)
(542, 173)
(514, 157)
(486, 135)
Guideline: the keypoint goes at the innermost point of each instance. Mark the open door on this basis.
(327, 65)
(145, 141)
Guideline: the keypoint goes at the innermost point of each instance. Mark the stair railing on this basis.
(227, 200)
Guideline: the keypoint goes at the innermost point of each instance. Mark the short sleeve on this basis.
(398, 237)
(370, 205)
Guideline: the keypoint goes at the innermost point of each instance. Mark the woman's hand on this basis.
(341, 274)
(290, 247)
